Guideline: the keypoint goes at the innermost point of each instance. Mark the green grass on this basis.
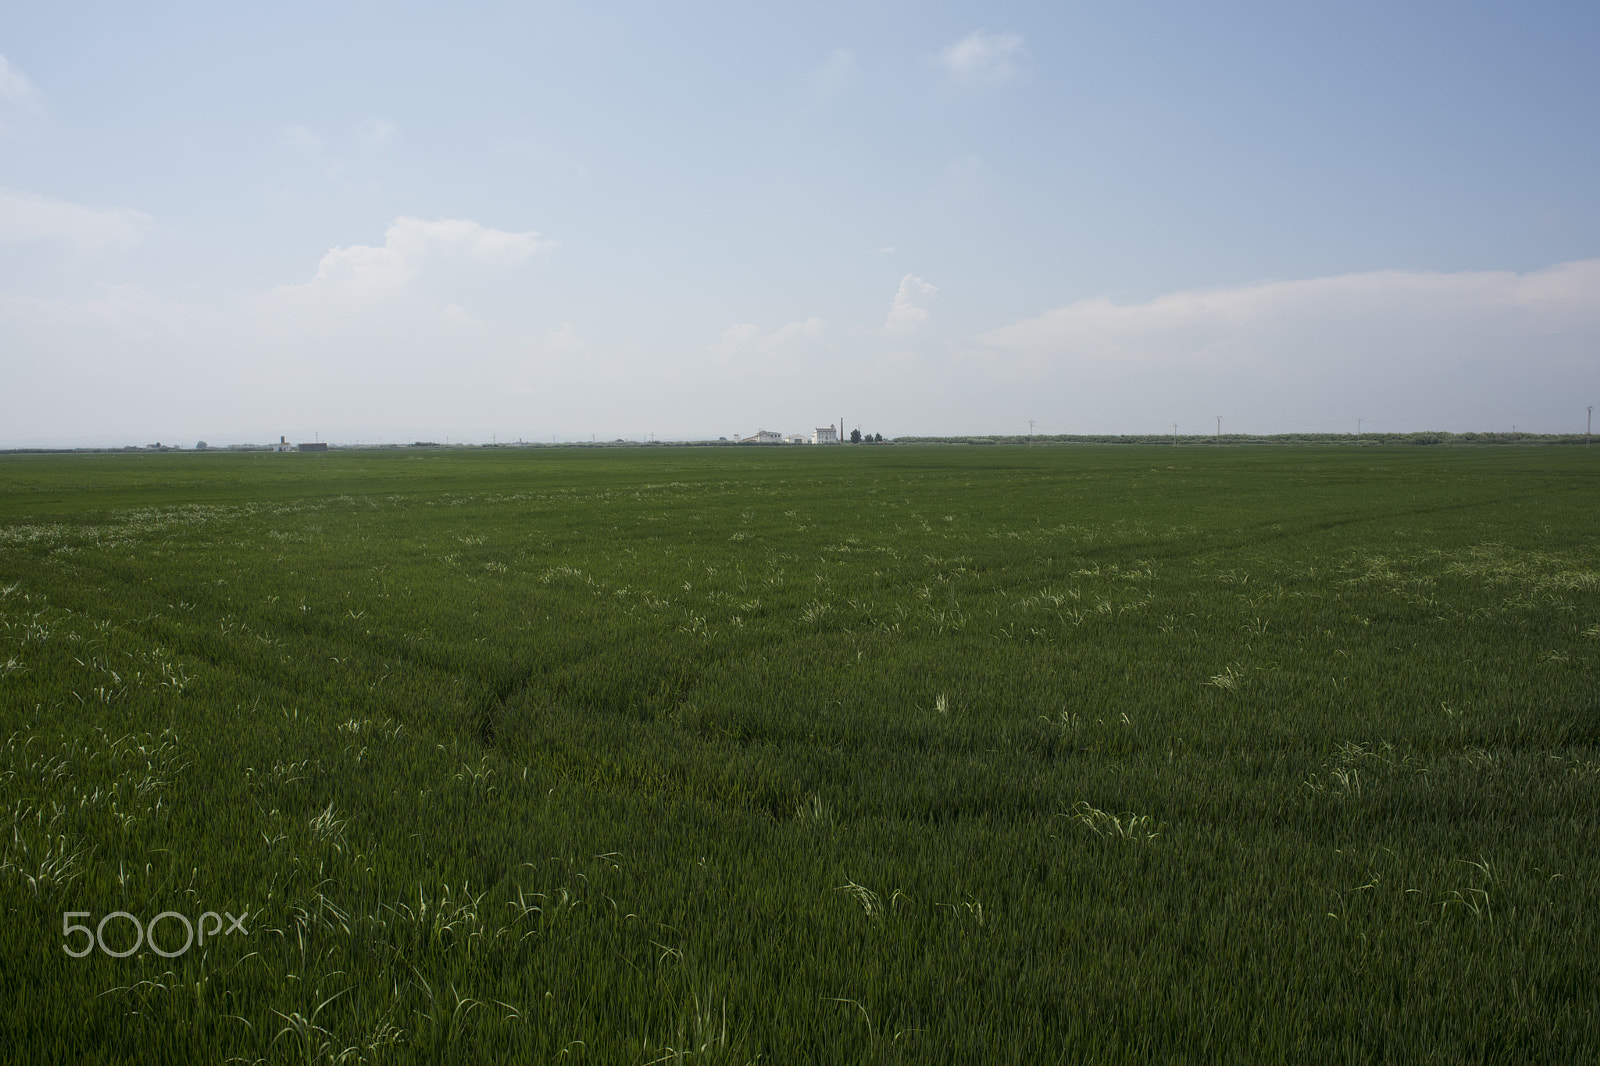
(922, 755)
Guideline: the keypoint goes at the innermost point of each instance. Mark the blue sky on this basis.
(376, 221)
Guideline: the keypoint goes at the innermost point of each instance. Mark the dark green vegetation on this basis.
(843, 755)
(1355, 440)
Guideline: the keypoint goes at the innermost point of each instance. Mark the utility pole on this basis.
(1174, 434)
(1219, 429)
(1358, 431)
(1031, 423)
(1589, 425)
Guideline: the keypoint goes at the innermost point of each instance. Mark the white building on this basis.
(825, 435)
(763, 436)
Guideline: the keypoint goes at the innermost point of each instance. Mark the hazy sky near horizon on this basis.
(377, 221)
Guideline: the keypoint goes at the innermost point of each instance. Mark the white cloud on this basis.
(457, 315)
(298, 136)
(910, 307)
(15, 88)
(1303, 321)
(961, 177)
(1402, 350)
(412, 243)
(28, 218)
(122, 355)
(1428, 347)
(130, 363)
(747, 340)
(565, 339)
(377, 130)
(981, 56)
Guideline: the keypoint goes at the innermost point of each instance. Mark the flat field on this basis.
(793, 755)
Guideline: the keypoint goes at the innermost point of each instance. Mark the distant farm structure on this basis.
(820, 435)
(283, 445)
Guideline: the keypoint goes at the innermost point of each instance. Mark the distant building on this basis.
(763, 436)
(825, 435)
(319, 446)
(283, 445)
(797, 438)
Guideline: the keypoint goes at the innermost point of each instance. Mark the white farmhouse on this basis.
(825, 435)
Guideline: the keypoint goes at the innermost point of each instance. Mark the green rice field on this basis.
(907, 754)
